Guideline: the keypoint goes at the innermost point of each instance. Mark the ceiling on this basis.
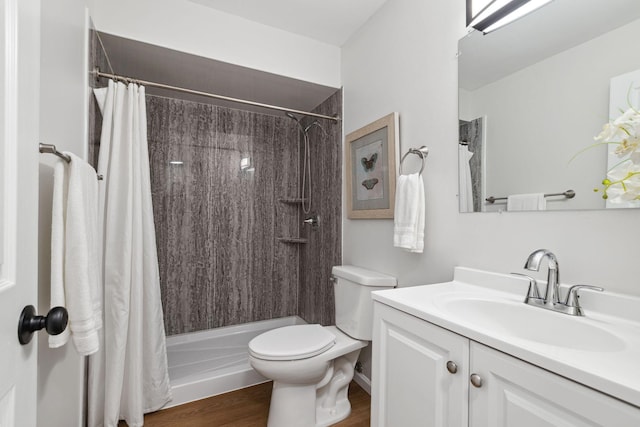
(328, 21)
(554, 28)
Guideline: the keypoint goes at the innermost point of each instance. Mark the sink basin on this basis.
(524, 322)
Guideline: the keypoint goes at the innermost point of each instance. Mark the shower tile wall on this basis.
(323, 249)
(216, 225)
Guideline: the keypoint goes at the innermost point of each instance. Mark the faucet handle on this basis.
(533, 291)
(572, 295)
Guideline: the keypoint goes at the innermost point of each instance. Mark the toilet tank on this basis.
(353, 303)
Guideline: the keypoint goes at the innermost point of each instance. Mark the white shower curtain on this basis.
(465, 198)
(129, 375)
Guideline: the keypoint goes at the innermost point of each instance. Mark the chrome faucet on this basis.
(571, 304)
(553, 273)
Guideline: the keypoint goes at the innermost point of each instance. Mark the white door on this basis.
(414, 379)
(19, 89)
(516, 393)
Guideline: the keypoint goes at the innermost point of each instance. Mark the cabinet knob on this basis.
(476, 380)
(452, 367)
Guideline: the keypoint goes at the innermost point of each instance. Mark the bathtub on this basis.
(216, 361)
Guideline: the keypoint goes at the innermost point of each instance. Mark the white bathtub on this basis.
(216, 361)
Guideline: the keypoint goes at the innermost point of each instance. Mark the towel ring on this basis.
(422, 152)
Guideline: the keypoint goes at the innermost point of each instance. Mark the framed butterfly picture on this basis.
(370, 160)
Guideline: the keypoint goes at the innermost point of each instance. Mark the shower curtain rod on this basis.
(116, 77)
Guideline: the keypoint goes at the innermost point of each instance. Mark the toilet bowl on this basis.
(312, 365)
(308, 390)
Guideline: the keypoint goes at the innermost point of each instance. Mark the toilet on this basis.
(312, 365)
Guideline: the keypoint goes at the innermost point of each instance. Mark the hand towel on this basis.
(58, 215)
(408, 232)
(75, 259)
(527, 202)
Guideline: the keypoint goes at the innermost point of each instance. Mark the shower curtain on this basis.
(465, 199)
(129, 375)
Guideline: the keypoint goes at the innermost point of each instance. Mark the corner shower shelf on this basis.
(293, 201)
(292, 240)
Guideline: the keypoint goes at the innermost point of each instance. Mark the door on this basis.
(19, 88)
(515, 393)
(414, 380)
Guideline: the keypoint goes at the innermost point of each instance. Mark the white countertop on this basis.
(607, 360)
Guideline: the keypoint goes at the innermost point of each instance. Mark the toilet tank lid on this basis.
(363, 276)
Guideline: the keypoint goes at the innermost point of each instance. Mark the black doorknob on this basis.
(55, 322)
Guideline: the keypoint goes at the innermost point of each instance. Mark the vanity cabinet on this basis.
(516, 393)
(413, 384)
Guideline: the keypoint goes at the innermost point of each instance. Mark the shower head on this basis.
(305, 130)
(291, 116)
(315, 123)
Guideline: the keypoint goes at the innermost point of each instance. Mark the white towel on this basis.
(58, 215)
(408, 232)
(74, 258)
(527, 202)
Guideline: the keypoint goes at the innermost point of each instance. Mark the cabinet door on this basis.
(411, 385)
(516, 393)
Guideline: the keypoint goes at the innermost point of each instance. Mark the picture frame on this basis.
(371, 169)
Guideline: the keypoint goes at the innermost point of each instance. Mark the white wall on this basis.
(63, 113)
(404, 60)
(193, 28)
(542, 116)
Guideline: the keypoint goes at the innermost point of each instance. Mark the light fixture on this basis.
(489, 15)
(176, 162)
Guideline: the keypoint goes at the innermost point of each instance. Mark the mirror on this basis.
(532, 97)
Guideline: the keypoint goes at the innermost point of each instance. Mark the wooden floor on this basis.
(248, 407)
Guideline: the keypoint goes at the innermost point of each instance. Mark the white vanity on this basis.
(471, 353)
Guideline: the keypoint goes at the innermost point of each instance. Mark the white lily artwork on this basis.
(621, 185)
(623, 179)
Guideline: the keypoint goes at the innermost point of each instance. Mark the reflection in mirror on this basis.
(490, 15)
(471, 165)
(532, 97)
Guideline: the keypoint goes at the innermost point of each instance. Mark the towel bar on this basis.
(51, 149)
(569, 194)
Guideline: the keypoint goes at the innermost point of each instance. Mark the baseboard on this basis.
(362, 381)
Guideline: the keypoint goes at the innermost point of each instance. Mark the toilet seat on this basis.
(292, 343)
